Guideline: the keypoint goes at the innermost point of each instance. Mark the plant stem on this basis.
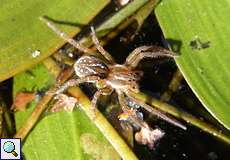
(103, 125)
(35, 115)
(39, 108)
(183, 115)
(173, 86)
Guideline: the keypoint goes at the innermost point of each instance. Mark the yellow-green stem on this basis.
(103, 125)
(182, 115)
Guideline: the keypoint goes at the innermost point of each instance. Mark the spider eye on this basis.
(134, 88)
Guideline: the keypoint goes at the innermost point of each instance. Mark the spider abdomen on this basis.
(89, 65)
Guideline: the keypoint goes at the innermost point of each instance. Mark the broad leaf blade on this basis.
(67, 136)
(22, 33)
(202, 27)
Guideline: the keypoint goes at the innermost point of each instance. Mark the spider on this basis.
(108, 76)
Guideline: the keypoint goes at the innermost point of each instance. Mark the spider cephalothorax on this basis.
(108, 76)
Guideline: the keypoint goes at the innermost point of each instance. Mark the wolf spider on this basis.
(110, 76)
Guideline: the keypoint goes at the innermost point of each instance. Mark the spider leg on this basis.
(129, 113)
(121, 98)
(96, 96)
(75, 82)
(65, 36)
(100, 48)
(157, 112)
(147, 52)
(146, 135)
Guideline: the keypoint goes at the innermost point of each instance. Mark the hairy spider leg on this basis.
(157, 112)
(121, 99)
(147, 52)
(100, 48)
(145, 135)
(75, 82)
(65, 37)
(129, 113)
(96, 96)
(101, 91)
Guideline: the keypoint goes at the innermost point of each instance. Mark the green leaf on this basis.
(202, 27)
(37, 79)
(23, 34)
(122, 15)
(67, 136)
